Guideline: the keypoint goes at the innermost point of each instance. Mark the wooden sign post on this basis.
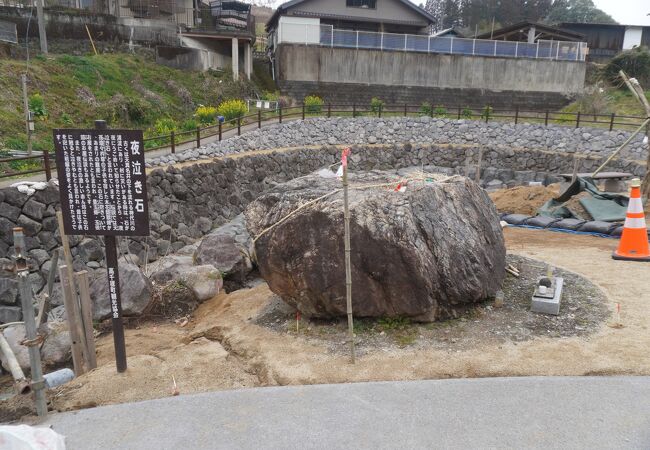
(103, 188)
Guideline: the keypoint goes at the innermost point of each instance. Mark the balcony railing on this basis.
(328, 36)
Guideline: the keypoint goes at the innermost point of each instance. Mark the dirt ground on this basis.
(224, 346)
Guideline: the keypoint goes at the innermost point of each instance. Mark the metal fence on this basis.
(328, 36)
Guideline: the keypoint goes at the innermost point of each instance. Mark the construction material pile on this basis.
(424, 250)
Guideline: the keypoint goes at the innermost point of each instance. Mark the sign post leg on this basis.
(116, 302)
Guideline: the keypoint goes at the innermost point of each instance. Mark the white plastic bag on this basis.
(24, 437)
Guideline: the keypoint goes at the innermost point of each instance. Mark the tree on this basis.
(446, 12)
(582, 11)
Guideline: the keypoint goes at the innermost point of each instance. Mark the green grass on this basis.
(126, 90)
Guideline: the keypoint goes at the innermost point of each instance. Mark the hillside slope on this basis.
(126, 90)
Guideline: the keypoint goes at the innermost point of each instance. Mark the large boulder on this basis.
(135, 289)
(425, 252)
(228, 249)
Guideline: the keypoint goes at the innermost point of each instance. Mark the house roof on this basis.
(599, 25)
(449, 31)
(522, 28)
(285, 6)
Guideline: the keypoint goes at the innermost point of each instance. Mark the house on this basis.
(607, 40)
(350, 51)
(387, 16)
(531, 32)
(449, 32)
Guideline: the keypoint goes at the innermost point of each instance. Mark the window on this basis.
(368, 4)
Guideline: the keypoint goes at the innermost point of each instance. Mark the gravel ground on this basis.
(583, 309)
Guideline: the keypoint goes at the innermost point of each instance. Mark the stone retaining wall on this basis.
(398, 130)
(187, 202)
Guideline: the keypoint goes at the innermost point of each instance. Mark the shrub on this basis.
(466, 113)
(66, 119)
(271, 96)
(313, 104)
(285, 101)
(189, 124)
(635, 63)
(37, 105)
(487, 112)
(164, 126)
(595, 100)
(376, 104)
(440, 111)
(205, 114)
(231, 109)
(136, 110)
(425, 109)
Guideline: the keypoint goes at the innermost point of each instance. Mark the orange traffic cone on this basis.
(634, 240)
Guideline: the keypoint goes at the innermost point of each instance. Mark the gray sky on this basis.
(626, 12)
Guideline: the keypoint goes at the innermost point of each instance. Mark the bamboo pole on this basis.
(638, 92)
(91, 40)
(348, 270)
(603, 165)
(477, 177)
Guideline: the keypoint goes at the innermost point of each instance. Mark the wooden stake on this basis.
(73, 322)
(348, 271)
(51, 276)
(75, 311)
(87, 318)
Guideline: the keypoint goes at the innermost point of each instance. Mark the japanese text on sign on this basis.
(102, 181)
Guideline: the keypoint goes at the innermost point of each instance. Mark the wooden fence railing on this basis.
(220, 130)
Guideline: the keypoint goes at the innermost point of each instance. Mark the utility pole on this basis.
(29, 125)
(41, 26)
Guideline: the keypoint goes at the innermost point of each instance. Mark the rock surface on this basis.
(228, 248)
(57, 347)
(135, 290)
(204, 281)
(424, 253)
(14, 335)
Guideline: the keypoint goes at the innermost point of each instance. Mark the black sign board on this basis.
(103, 188)
(102, 181)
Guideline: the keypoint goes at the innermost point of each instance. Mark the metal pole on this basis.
(348, 271)
(116, 306)
(28, 121)
(32, 342)
(114, 284)
(41, 25)
(173, 142)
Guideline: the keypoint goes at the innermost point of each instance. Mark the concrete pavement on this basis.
(533, 412)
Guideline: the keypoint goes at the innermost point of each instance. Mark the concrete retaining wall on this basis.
(435, 74)
(103, 27)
